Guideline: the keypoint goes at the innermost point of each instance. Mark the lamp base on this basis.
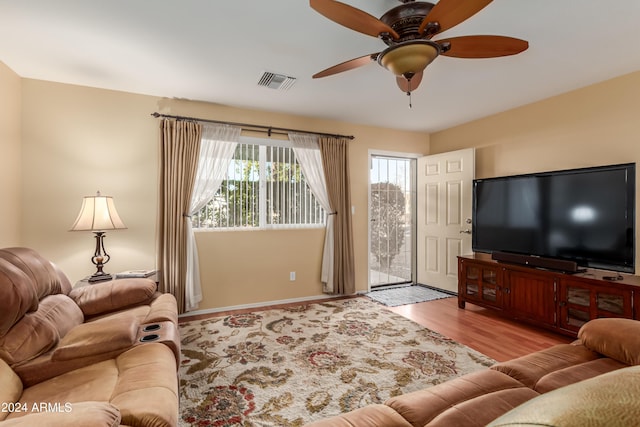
(100, 277)
(99, 259)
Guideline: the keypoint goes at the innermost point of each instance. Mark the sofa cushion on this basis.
(17, 295)
(141, 383)
(38, 332)
(368, 416)
(421, 407)
(114, 295)
(576, 373)
(530, 368)
(65, 283)
(11, 389)
(147, 388)
(62, 312)
(615, 338)
(85, 414)
(483, 409)
(606, 400)
(40, 270)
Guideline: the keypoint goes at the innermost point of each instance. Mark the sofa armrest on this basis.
(105, 297)
(94, 338)
(86, 414)
(163, 309)
(614, 338)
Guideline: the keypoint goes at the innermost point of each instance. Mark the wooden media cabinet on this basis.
(554, 300)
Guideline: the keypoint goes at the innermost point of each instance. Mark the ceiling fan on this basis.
(407, 31)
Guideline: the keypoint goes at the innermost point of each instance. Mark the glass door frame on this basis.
(412, 157)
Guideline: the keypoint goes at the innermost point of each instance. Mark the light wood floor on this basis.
(481, 329)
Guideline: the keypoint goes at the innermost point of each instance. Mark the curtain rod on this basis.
(269, 130)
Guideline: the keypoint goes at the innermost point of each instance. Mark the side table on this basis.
(85, 281)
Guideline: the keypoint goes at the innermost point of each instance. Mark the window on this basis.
(264, 188)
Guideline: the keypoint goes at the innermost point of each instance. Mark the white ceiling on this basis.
(215, 51)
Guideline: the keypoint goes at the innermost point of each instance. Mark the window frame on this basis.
(262, 199)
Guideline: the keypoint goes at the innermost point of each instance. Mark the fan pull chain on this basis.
(409, 94)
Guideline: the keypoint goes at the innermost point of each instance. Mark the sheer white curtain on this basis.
(217, 146)
(307, 153)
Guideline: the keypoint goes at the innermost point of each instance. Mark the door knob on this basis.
(466, 231)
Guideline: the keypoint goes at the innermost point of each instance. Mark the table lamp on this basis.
(98, 213)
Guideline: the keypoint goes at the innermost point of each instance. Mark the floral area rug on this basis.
(288, 367)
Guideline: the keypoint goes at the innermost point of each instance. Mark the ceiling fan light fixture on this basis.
(409, 58)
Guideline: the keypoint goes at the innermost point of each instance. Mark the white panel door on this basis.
(444, 200)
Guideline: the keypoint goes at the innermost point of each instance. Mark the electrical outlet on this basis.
(292, 276)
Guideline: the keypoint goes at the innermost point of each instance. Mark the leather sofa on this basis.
(105, 354)
(593, 381)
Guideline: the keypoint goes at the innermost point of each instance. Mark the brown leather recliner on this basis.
(83, 351)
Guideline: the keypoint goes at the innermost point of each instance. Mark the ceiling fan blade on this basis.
(409, 86)
(352, 18)
(482, 46)
(346, 66)
(449, 13)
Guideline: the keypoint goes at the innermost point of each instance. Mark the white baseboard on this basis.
(258, 305)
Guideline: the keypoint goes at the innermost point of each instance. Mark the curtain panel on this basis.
(335, 161)
(307, 152)
(217, 147)
(179, 150)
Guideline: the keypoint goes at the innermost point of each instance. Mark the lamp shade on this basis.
(98, 213)
(409, 58)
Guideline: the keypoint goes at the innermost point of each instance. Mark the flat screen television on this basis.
(582, 215)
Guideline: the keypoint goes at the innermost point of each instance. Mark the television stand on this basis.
(554, 300)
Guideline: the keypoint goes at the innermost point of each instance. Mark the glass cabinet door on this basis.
(579, 296)
(575, 305)
(481, 283)
(611, 303)
(580, 303)
(489, 285)
(472, 287)
(577, 318)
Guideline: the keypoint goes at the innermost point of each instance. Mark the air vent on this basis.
(276, 81)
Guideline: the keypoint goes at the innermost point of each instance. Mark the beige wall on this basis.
(593, 126)
(77, 140)
(10, 157)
